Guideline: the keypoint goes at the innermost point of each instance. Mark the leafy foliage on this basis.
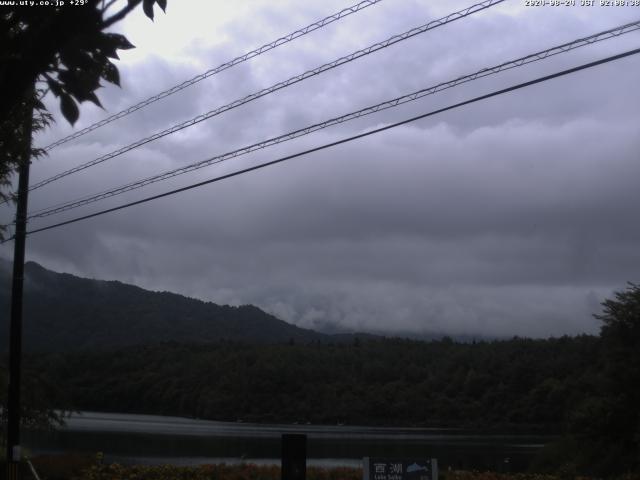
(59, 49)
(610, 420)
(38, 393)
(603, 426)
(13, 152)
(67, 48)
(250, 471)
(211, 472)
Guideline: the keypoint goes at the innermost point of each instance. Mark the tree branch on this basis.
(107, 6)
(121, 14)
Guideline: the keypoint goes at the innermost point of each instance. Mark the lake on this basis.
(151, 439)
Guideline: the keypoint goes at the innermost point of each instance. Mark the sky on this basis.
(516, 215)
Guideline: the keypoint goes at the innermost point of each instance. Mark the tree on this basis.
(604, 426)
(13, 145)
(66, 51)
(38, 394)
(63, 50)
(620, 334)
(621, 323)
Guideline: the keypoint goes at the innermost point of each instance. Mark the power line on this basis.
(278, 86)
(346, 140)
(534, 57)
(231, 63)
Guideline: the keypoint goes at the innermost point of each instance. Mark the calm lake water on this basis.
(149, 439)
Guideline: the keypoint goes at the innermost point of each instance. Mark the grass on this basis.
(86, 467)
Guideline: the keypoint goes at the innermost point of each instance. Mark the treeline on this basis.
(587, 389)
(501, 384)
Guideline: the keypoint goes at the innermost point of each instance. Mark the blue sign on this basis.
(400, 469)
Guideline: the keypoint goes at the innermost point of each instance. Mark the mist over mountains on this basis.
(64, 312)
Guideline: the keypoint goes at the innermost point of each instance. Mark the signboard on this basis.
(400, 469)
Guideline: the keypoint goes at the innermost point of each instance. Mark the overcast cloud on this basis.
(513, 216)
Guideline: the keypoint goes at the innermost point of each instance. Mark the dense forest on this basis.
(111, 354)
(573, 387)
(397, 382)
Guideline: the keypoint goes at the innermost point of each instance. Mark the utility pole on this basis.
(15, 334)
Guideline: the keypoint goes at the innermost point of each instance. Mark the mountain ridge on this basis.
(66, 312)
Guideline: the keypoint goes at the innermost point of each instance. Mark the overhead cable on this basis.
(344, 140)
(534, 57)
(278, 86)
(231, 63)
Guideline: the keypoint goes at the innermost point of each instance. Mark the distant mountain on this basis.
(63, 312)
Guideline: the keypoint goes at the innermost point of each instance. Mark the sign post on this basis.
(294, 457)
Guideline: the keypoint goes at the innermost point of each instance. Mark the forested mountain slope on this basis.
(63, 312)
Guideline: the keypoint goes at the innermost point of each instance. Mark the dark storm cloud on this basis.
(508, 217)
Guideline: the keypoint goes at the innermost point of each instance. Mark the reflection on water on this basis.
(147, 439)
